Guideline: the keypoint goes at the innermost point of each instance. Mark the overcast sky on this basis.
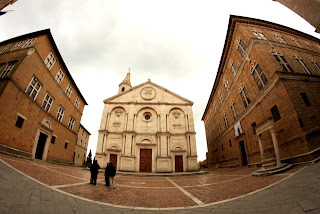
(178, 44)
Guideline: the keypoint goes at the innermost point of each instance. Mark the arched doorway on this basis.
(42, 140)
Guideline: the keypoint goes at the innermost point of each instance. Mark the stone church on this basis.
(147, 128)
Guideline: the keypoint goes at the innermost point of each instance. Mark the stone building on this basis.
(264, 105)
(41, 105)
(81, 146)
(307, 9)
(147, 128)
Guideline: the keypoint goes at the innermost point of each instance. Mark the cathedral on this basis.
(147, 128)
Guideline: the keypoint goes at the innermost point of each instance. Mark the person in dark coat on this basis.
(111, 172)
(106, 177)
(94, 169)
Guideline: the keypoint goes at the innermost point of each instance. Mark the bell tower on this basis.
(125, 85)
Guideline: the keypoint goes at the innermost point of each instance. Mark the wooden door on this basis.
(40, 146)
(145, 160)
(178, 163)
(113, 159)
(243, 153)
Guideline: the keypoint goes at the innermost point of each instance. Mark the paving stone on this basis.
(307, 205)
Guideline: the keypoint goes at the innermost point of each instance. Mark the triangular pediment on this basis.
(148, 92)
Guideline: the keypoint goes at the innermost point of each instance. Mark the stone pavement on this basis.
(299, 193)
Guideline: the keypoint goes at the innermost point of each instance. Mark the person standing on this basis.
(94, 169)
(111, 172)
(106, 177)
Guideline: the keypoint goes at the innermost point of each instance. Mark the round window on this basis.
(147, 116)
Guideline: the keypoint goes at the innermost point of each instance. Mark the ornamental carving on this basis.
(176, 114)
(148, 93)
(118, 113)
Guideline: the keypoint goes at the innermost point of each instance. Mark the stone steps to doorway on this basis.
(273, 170)
(159, 174)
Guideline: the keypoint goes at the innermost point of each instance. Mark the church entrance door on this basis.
(113, 159)
(145, 160)
(178, 163)
(40, 146)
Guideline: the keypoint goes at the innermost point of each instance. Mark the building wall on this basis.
(14, 101)
(169, 132)
(282, 90)
(307, 9)
(81, 146)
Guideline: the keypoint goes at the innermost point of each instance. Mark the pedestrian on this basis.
(94, 169)
(111, 172)
(106, 177)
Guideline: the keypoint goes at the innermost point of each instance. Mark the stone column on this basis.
(187, 125)
(107, 122)
(275, 146)
(167, 123)
(260, 146)
(134, 122)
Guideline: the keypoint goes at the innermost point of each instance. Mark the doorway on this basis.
(114, 159)
(243, 153)
(40, 146)
(178, 163)
(145, 160)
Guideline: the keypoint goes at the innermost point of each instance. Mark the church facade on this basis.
(147, 128)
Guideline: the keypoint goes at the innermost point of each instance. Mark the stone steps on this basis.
(273, 170)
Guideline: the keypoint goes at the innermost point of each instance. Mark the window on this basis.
(282, 61)
(234, 110)
(279, 38)
(7, 69)
(258, 34)
(244, 95)
(49, 61)
(305, 99)
(33, 88)
(17, 45)
(305, 68)
(122, 89)
(219, 127)
(28, 43)
(47, 102)
(296, 41)
(311, 47)
(230, 143)
(5, 48)
(226, 123)
(59, 77)
(222, 147)
(258, 75)
(226, 84)
(275, 113)
(60, 114)
(68, 91)
(233, 69)
(19, 122)
(77, 103)
(315, 64)
(220, 98)
(254, 125)
(53, 139)
(241, 47)
(66, 144)
(71, 123)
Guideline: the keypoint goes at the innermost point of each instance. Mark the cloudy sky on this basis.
(178, 44)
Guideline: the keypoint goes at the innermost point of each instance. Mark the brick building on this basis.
(307, 9)
(265, 100)
(41, 105)
(81, 146)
